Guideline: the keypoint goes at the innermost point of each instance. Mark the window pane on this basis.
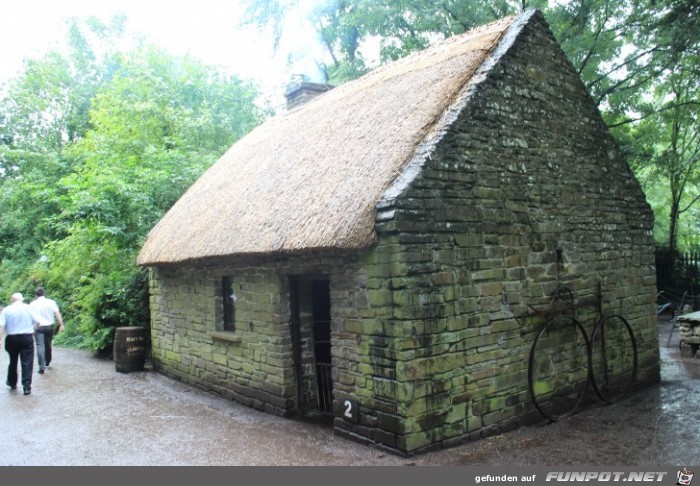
(229, 304)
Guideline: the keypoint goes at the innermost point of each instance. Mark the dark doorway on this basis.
(311, 343)
(322, 343)
(295, 331)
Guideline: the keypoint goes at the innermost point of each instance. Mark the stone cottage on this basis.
(376, 253)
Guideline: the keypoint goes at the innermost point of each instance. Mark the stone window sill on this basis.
(228, 336)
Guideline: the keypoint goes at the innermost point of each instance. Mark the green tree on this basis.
(47, 106)
(617, 47)
(401, 26)
(93, 150)
(42, 112)
(668, 148)
(156, 126)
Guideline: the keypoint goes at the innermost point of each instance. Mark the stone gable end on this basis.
(527, 192)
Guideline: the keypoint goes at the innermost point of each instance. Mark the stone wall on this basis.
(253, 364)
(527, 192)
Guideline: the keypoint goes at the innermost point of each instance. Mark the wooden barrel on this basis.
(129, 349)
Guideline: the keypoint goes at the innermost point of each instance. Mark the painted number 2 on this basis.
(350, 412)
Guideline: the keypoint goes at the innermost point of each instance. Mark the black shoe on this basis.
(12, 387)
(41, 372)
(27, 390)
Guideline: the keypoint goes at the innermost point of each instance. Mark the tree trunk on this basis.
(673, 237)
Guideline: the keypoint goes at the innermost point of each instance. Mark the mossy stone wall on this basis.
(526, 193)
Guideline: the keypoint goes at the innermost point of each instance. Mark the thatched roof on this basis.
(311, 178)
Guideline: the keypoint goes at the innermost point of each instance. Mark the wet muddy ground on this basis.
(82, 412)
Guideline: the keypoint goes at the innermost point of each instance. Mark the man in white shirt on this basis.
(18, 320)
(49, 313)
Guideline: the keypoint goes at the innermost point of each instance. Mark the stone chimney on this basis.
(303, 92)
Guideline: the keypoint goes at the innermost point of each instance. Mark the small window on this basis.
(229, 300)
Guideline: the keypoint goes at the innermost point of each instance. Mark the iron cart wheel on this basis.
(618, 381)
(558, 379)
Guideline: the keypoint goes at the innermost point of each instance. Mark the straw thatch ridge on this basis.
(310, 179)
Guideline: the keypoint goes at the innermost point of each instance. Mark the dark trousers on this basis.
(43, 337)
(20, 347)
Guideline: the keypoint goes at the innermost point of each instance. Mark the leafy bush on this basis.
(80, 186)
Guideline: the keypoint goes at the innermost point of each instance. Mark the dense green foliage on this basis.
(93, 151)
(665, 149)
